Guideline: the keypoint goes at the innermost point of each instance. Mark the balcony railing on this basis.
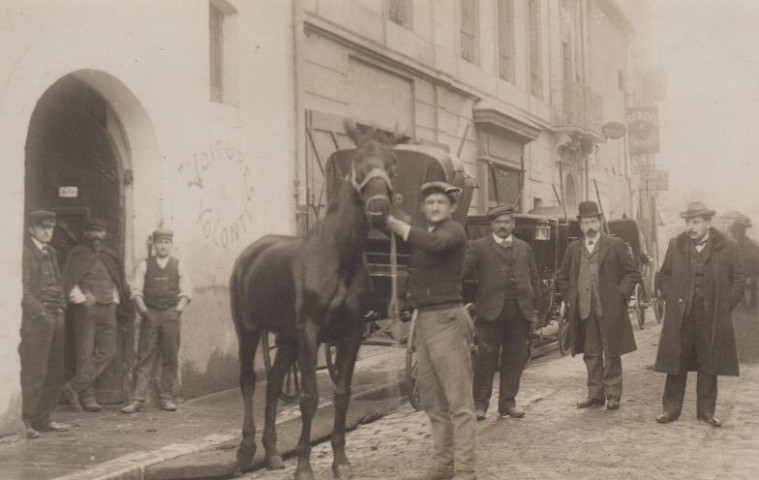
(581, 108)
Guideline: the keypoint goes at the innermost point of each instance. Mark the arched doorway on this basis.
(570, 192)
(74, 167)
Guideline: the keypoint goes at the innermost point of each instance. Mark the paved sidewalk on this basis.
(110, 444)
(557, 441)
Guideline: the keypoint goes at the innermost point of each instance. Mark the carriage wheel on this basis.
(330, 353)
(291, 383)
(564, 346)
(412, 384)
(635, 306)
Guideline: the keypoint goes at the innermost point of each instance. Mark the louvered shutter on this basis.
(503, 185)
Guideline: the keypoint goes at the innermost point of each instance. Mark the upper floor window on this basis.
(536, 71)
(468, 27)
(506, 40)
(401, 12)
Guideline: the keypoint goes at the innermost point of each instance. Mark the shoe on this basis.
(591, 402)
(612, 403)
(91, 405)
(30, 431)
(711, 420)
(666, 417)
(168, 405)
(512, 412)
(438, 474)
(133, 407)
(53, 426)
(480, 414)
(73, 397)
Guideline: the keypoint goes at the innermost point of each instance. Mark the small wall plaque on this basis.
(68, 192)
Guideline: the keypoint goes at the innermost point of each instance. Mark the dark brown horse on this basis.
(310, 291)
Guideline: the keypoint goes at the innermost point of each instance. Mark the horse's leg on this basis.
(309, 396)
(286, 353)
(247, 343)
(347, 351)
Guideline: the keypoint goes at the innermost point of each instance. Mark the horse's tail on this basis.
(237, 297)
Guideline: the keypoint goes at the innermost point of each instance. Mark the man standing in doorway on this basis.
(443, 331)
(95, 285)
(41, 348)
(596, 280)
(702, 280)
(508, 286)
(161, 290)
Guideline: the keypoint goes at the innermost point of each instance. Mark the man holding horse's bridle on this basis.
(444, 331)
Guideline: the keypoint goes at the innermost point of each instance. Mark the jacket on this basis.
(33, 280)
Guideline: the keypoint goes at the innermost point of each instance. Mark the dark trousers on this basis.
(42, 368)
(604, 372)
(507, 338)
(694, 336)
(158, 334)
(95, 333)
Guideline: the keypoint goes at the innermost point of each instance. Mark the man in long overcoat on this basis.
(702, 280)
(596, 280)
(508, 285)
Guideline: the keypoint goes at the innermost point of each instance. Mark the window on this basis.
(504, 185)
(222, 25)
(506, 40)
(536, 74)
(401, 12)
(469, 13)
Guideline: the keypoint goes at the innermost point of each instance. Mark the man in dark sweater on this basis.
(161, 291)
(508, 285)
(444, 331)
(41, 348)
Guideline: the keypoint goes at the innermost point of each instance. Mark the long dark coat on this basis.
(617, 275)
(723, 289)
(33, 280)
(487, 261)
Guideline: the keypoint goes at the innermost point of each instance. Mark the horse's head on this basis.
(371, 171)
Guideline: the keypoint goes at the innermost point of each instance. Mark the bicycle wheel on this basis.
(564, 346)
(290, 390)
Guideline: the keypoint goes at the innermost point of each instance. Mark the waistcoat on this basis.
(161, 289)
(510, 280)
(587, 283)
(99, 283)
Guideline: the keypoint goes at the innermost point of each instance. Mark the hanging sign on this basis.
(643, 127)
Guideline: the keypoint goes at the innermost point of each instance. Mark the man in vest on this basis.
(443, 331)
(702, 280)
(508, 285)
(161, 290)
(95, 285)
(41, 348)
(596, 280)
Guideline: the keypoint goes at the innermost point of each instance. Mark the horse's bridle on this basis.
(374, 173)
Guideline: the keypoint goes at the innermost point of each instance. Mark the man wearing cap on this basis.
(95, 285)
(749, 253)
(41, 347)
(702, 280)
(443, 331)
(508, 285)
(161, 290)
(596, 280)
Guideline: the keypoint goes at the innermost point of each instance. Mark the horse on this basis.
(311, 290)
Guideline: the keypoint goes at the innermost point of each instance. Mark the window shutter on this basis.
(504, 185)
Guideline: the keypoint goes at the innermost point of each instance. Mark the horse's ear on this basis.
(352, 130)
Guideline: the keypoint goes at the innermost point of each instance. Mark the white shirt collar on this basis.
(499, 240)
(591, 246)
(41, 246)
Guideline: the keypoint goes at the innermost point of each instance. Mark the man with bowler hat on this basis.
(596, 280)
(508, 285)
(444, 333)
(41, 347)
(702, 280)
(94, 283)
(161, 290)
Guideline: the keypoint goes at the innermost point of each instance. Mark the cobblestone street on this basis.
(557, 441)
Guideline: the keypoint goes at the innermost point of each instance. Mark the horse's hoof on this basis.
(304, 474)
(342, 471)
(274, 462)
(245, 455)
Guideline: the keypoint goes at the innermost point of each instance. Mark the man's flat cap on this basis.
(441, 187)
(36, 217)
(498, 210)
(96, 222)
(163, 232)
